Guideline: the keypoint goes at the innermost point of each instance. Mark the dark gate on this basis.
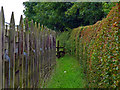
(59, 52)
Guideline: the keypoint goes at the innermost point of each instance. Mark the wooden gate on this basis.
(59, 52)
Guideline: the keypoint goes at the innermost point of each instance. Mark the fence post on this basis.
(41, 54)
(32, 53)
(37, 50)
(48, 51)
(6, 63)
(30, 57)
(12, 50)
(2, 29)
(58, 54)
(21, 47)
(1, 74)
(38, 53)
(17, 58)
(54, 42)
(27, 53)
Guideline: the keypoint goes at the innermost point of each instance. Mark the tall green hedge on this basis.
(96, 48)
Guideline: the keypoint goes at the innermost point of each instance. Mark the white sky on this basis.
(12, 5)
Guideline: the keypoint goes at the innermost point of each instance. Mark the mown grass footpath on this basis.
(67, 74)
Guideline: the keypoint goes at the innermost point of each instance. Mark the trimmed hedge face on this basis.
(96, 47)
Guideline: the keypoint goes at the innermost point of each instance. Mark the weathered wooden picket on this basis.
(27, 52)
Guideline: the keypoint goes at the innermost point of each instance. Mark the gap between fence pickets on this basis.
(33, 48)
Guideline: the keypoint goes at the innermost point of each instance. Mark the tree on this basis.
(107, 6)
(87, 12)
(29, 10)
(64, 15)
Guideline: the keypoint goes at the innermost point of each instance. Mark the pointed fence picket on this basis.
(27, 53)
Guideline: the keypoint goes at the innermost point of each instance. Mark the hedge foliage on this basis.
(96, 48)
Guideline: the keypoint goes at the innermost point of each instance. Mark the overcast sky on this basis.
(12, 5)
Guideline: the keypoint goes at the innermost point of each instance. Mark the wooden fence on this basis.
(27, 53)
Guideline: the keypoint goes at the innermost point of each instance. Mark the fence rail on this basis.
(27, 53)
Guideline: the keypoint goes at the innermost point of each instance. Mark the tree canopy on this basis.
(63, 15)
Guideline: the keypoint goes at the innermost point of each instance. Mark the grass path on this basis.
(67, 74)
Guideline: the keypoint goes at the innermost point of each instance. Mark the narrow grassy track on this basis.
(67, 74)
